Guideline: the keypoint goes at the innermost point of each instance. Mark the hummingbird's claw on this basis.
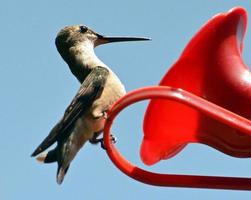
(113, 139)
(95, 140)
(102, 144)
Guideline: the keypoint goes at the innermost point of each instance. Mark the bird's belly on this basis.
(85, 128)
(96, 125)
(82, 132)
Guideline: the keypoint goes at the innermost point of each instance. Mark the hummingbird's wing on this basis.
(90, 90)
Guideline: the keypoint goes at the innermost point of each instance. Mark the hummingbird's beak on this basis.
(106, 39)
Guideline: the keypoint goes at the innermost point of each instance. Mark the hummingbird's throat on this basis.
(82, 60)
(85, 56)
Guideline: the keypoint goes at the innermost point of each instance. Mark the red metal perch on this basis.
(204, 98)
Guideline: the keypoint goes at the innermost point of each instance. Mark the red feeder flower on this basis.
(210, 106)
(210, 67)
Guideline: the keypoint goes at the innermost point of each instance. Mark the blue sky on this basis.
(36, 86)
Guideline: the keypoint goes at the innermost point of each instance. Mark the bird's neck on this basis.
(85, 55)
(84, 60)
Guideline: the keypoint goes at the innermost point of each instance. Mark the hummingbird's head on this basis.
(74, 35)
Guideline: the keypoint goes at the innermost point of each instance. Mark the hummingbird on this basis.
(85, 117)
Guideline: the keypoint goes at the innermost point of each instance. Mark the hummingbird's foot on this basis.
(96, 140)
(113, 139)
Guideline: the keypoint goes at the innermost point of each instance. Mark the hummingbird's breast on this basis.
(112, 91)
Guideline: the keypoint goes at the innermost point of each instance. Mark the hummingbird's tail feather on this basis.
(48, 157)
(55, 156)
(49, 140)
(61, 173)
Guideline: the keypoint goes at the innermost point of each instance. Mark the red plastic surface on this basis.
(173, 180)
(203, 98)
(210, 67)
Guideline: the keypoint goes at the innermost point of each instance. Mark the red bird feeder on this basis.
(203, 98)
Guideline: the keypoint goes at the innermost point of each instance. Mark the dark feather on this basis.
(89, 91)
(51, 156)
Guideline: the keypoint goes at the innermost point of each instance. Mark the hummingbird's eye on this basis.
(83, 29)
